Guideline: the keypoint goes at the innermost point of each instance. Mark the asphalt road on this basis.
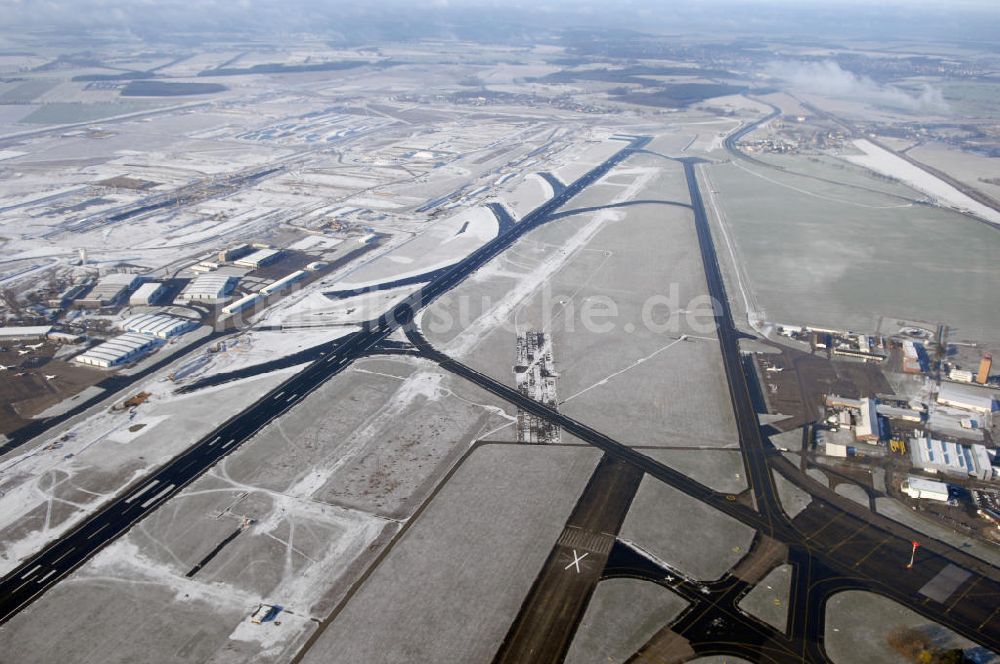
(40, 572)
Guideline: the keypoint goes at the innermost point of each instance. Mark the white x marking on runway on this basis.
(576, 560)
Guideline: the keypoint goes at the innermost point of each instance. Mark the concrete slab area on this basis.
(854, 492)
(622, 616)
(451, 586)
(793, 499)
(683, 532)
(944, 585)
(858, 624)
(768, 600)
(819, 476)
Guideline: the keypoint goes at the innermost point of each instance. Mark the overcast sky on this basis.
(949, 19)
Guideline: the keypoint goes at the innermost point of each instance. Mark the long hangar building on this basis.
(118, 350)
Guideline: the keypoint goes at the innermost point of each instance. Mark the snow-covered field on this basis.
(443, 243)
(525, 194)
(581, 159)
(251, 348)
(318, 310)
(882, 161)
(528, 282)
(46, 490)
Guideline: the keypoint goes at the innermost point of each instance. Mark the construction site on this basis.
(535, 376)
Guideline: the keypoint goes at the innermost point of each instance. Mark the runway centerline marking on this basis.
(69, 551)
(98, 530)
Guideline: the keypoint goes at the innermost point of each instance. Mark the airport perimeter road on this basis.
(732, 139)
(42, 571)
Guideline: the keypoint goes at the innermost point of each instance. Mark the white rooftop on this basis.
(147, 289)
(159, 325)
(967, 397)
(923, 484)
(257, 256)
(25, 331)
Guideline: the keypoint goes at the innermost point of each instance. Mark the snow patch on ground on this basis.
(272, 636)
(316, 309)
(885, 162)
(443, 243)
(423, 384)
(90, 464)
(466, 342)
(254, 347)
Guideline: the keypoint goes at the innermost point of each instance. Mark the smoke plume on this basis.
(827, 78)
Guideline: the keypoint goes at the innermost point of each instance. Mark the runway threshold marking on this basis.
(159, 495)
(141, 491)
(31, 571)
(42, 580)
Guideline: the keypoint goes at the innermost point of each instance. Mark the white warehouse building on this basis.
(24, 333)
(966, 398)
(934, 456)
(110, 289)
(148, 293)
(918, 487)
(210, 287)
(160, 326)
(259, 258)
(119, 350)
(241, 304)
(284, 282)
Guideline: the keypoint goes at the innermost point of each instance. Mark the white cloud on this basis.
(829, 79)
